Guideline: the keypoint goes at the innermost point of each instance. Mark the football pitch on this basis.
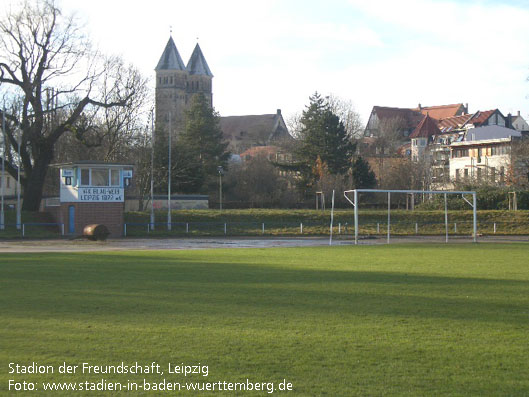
(398, 320)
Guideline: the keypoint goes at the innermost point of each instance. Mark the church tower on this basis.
(176, 85)
(171, 83)
(200, 76)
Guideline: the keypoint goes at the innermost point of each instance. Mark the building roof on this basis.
(410, 117)
(260, 151)
(426, 128)
(479, 118)
(88, 163)
(454, 121)
(442, 111)
(490, 132)
(243, 132)
(197, 63)
(170, 59)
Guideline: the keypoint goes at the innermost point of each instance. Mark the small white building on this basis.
(483, 155)
(10, 184)
(518, 123)
(91, 192)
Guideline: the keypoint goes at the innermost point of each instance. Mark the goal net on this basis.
(356, 196)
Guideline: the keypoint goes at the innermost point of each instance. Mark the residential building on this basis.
(384, 120)
(519, 123)
(407, 119)
(478, 119)
(482, 155)
(422, 137)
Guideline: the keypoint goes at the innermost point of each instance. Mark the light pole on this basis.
(2, 219)
(221, 171)
(19, 209)
(169, 178)
(152, 170)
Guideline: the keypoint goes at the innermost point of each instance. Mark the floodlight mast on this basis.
(462, 193)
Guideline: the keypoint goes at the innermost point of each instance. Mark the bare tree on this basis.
(294, 124)
(345, 110)
(384, 146)
(56, 83)
(519, 167)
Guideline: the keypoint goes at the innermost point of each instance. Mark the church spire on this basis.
(170, 59)
(197, 63)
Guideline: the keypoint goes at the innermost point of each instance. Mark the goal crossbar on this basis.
(355, 203)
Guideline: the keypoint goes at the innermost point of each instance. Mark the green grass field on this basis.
(408, 320)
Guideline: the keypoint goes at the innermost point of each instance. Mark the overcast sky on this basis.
(273, 54)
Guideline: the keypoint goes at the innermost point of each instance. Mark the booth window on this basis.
(114, 177)
(85, 177)
(100, 177)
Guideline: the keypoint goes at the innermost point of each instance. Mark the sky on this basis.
(273, 54)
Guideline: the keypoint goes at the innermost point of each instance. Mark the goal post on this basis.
(355, 203)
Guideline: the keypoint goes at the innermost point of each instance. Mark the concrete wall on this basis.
(178, 202)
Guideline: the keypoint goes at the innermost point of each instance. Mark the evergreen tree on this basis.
(203, 138)
(363, 176)
(187, 174)
(323, 135)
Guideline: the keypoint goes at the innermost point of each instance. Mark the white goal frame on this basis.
(355, 203)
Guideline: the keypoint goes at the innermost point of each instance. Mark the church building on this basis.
(176, 84)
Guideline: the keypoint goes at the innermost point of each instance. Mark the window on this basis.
(114, 177)
(465, 172)
(458, 153)
(8, 182)
(458, 171)
(85, 177)
(100, 177)
(493, 174)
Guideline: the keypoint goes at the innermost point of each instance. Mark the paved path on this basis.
(128, 244)
(157, 244)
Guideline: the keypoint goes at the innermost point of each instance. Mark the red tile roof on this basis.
(454, 121)
(426, 128)
(480, 117)
(257, 151)
(442, 111)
